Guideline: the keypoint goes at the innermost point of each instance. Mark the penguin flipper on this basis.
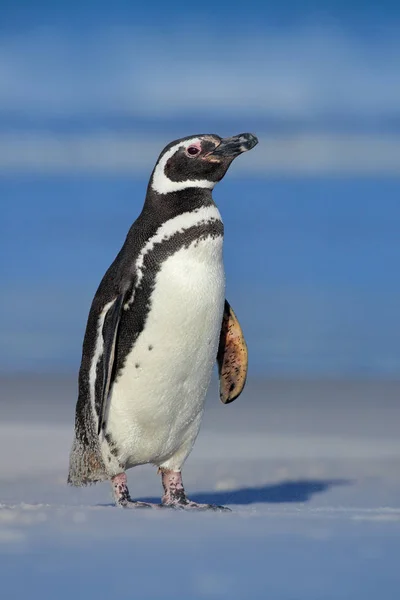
(109, 332)
(232, 357)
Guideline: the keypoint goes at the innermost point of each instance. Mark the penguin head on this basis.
(198, 161)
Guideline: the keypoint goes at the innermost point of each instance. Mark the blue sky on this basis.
(91, 92)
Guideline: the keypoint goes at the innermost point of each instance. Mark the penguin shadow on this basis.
(285, 492)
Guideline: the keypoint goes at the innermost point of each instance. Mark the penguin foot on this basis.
(122, 496)
(175, 496)
(137, 504)
(191, 505)
(214, 507)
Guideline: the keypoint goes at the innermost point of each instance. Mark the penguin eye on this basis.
(193, 150)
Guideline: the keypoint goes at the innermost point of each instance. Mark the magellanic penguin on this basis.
(158, 322)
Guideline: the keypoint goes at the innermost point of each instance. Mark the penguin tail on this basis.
(86, 465)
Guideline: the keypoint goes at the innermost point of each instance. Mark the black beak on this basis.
(233, 146)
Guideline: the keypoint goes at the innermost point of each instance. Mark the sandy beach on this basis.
(308, 468)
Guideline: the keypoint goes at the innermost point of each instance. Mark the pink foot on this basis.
(122, 497)
(175, 496)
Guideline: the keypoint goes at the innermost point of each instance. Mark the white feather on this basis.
(98, 351)
(156, 403)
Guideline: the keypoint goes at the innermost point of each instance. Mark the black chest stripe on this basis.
(133, 320)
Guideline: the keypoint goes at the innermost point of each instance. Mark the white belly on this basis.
(157, 402)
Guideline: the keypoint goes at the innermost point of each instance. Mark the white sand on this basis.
(309, 469)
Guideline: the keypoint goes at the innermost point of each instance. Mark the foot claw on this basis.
(137, 504)
(213, 507)
(190, 505)
(218, 508)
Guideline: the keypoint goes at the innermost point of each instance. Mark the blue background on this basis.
(91, 92)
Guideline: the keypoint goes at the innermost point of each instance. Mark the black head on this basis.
(198, 161)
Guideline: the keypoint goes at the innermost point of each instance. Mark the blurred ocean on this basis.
(90, 92)
(311, 267)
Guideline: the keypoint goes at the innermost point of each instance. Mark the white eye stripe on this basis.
(163, 185)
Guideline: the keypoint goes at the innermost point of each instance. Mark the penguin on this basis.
(158, 323)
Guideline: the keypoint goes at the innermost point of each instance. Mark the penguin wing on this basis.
(232, 357)
(109, 333)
